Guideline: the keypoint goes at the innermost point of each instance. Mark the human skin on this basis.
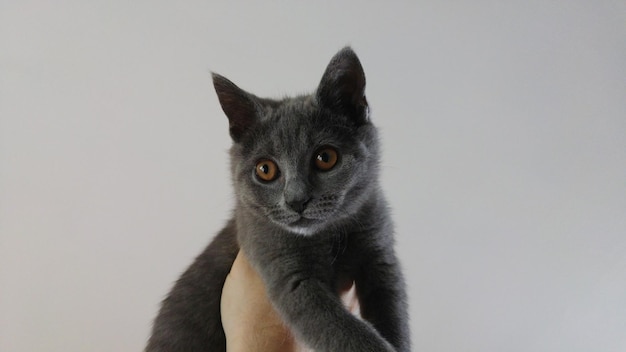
(249, 319)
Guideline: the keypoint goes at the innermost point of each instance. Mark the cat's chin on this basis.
(304, 226)
(302, 231)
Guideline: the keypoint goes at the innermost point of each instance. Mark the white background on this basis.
(504, 131)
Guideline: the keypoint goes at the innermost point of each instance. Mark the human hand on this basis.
(249, 319)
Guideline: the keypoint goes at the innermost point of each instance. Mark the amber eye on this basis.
(266, 170)
(326, 158)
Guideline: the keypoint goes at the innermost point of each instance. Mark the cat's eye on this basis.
(266, 170)
(326, 158)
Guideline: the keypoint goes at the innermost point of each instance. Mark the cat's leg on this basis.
(382, 296)
(318, 318)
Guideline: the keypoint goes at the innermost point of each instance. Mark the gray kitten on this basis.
(309, 213)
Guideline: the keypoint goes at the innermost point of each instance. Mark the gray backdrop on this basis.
(504, 133)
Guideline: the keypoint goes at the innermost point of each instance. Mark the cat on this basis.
(309, 211)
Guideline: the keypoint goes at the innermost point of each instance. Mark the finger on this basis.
(350, 300)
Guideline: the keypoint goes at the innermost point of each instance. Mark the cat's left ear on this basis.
(342, 88)
(239, 106)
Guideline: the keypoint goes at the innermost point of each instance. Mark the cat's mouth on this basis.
(293, 221)
(312, 219)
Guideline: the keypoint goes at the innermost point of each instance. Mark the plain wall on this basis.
(504, 133)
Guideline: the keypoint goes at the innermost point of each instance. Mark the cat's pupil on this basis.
(265, 169)
(324, 157)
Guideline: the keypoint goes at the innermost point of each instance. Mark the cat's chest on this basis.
(347, 258)
(334, 253)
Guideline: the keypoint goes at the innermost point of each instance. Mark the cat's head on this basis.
(308, 162)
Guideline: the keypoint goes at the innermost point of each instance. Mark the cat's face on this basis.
(304, 163)
(304, 169)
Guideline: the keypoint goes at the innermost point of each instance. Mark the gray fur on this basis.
(304, 231)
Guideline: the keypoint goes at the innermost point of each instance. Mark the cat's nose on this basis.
(298, 205)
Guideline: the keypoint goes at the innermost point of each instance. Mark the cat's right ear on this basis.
(342, 88)
(239, 106)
